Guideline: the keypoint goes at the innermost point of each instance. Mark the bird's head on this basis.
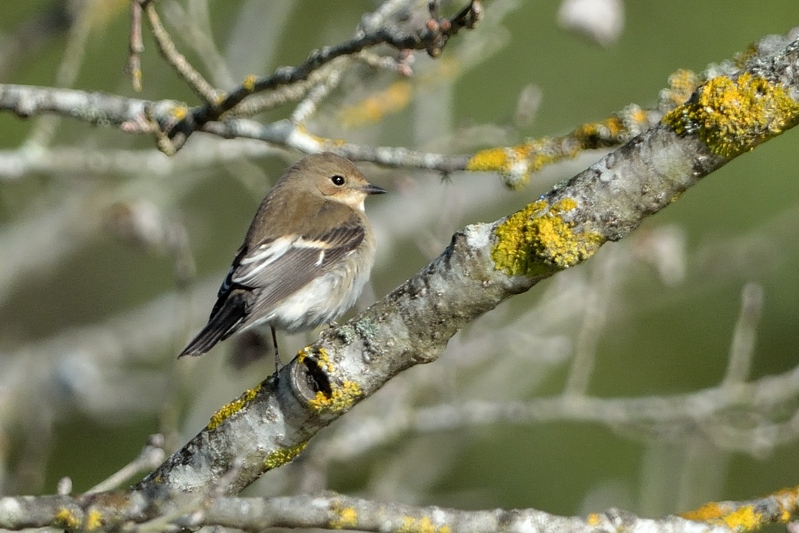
(334, 178)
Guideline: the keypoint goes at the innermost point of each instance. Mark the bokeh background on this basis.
(90, 321)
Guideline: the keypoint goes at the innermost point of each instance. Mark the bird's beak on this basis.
(373, 189)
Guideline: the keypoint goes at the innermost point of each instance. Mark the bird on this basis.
(306, 256)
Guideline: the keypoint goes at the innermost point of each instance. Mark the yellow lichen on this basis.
(447, 69)
(283, 456)
(490, 160)
(709, 511)
(233, 407)
(741, 58)
(180, 112)
(543, 152)
(320, 356)
(391, 100)
(302, 134)
(93, 520)
(787, 502)
(733, 116)
(516, 163)
(66, 519)
(249, 83)
(587, 134)
(339, 399)
(682, 84)
(136, 79)
(345, 518)
(744, 519)
(412, 524)
(639, 116)
(537, 240)
(594, 519)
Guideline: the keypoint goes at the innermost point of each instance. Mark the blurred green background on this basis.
(657, 339)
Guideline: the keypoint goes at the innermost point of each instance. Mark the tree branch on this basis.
(331, 511)
(484, 265)
(433, 37)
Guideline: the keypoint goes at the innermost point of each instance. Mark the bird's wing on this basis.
(263, 275)
(228, 315)
(279, 268)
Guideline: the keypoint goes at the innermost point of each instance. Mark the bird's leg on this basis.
(277, 354)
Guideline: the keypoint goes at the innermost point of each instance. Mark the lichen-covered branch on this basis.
(484, 265)
(758, 118)
(329, 511)
(709, 119)
(432, 38)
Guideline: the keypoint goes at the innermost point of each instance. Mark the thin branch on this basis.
(594, 320)
(294, 92)
(743, 342)
(150, 456)
(308, 107)
(433, 37)
(192, 22)
(330, 511)
(74, 54)
(516, 163)
(15, 164)
(135, 45)
(169, 51)
(712, 411)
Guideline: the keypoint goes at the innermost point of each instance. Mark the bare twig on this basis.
(136, 45)
(596, 315)
(170, 53)
(743, 342)
(431, 38)
(71, 62)
(150, 457)
(330, 511)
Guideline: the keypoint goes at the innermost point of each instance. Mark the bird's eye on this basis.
(337, 180)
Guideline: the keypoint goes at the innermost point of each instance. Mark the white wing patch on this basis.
(266, 254)
(303, 243)
(261, 257)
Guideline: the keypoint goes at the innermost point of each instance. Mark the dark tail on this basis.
(223, 323)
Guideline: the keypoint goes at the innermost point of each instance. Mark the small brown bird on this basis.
(305, 259)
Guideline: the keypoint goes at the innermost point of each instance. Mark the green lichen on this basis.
(537, 241)
(732, 116)
(233, 407)
(367, 329)
(283, 456)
